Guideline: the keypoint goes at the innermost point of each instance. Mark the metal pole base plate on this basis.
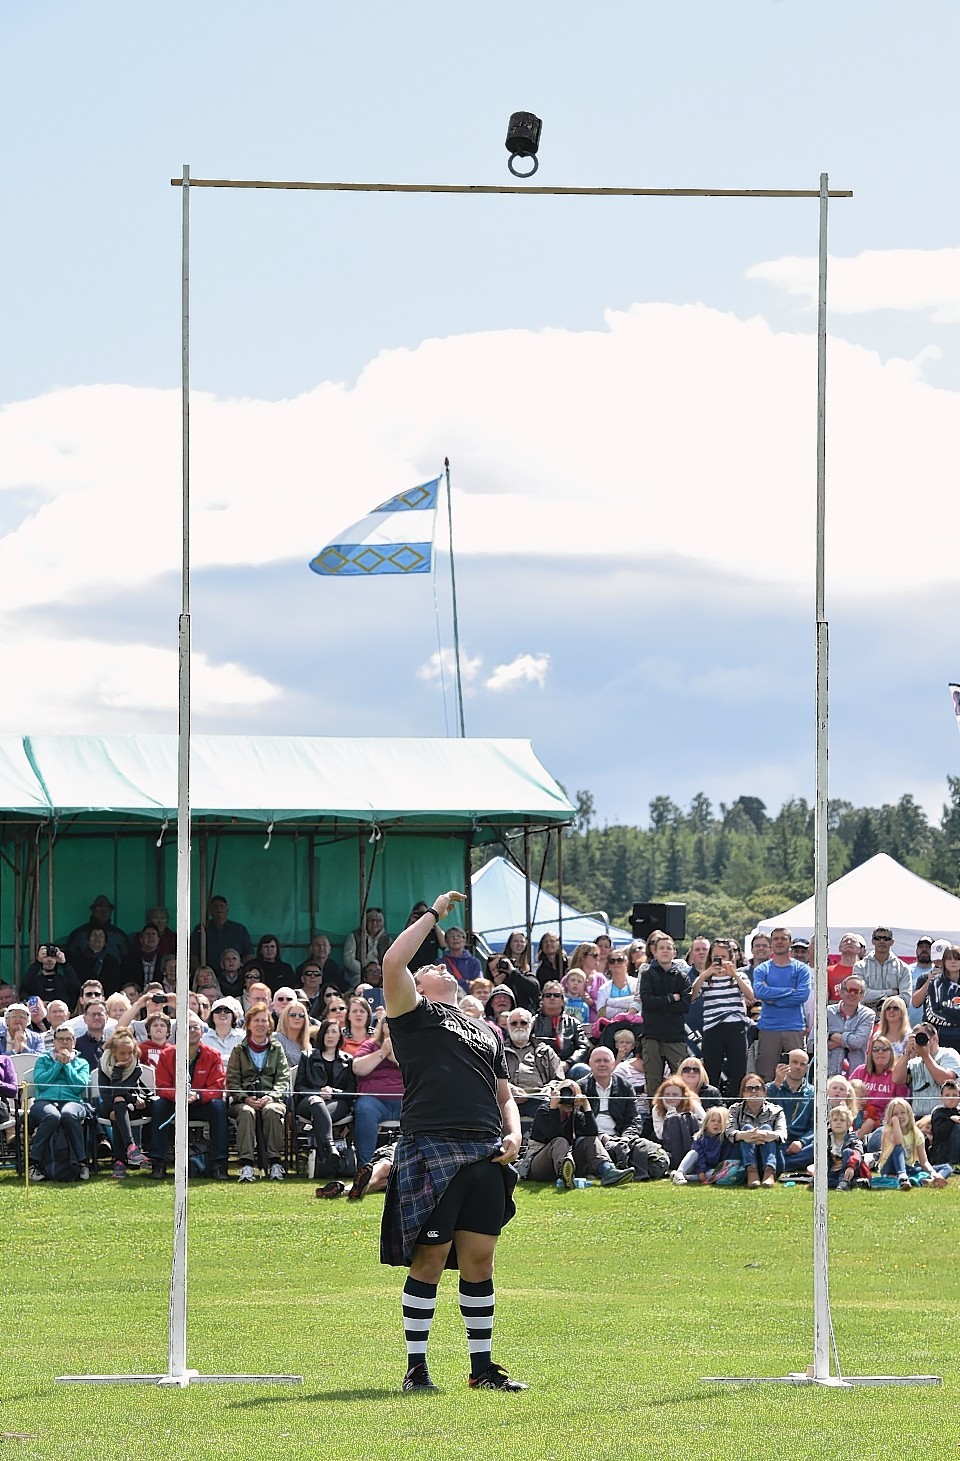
(833, 1382)
(180, 1382)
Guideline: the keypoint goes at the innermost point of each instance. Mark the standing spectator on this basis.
(551, 960)
(431, 950)
(51, 977)
(115, 939)
(725, 993)
(664, 1003)
(849, 1027)
(525, 988)
(221, 933)
(882, 972)
(604, 945)
(60, 1080)
(837, 973)
(791, 1090)
(941, 1002)
(517, 950)
(782, 986)
(371, 941)
(205, 1101)
(258, 1080)
(328, 968)
(617, 993)
(759, 951)
(920, 975)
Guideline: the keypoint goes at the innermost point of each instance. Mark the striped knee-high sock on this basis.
(419, 1305)
(476, 1306)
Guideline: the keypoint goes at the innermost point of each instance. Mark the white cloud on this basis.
(526, 669)
(442, 666)
(58, 684)
(925, 281)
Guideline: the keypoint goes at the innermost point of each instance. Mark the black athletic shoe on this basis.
(158, 1170)
(495, 1377)
(417, 1378)
(567, 1173)
(360, 1182)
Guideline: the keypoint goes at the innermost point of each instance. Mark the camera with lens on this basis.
(503, 966)
(567, 1096)
(921, 1037)
(53, 951)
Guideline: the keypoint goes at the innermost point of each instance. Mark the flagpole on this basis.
(453, 591)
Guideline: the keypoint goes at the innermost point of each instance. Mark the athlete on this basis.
(451, 1188)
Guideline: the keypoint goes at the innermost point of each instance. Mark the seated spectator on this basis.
(619, 1123)
(498, 1006)
(924, 1065)
(759, 1128)
(710, 1148)
(791, 1090)
(115, 940)
(116, 1005)
(379, 1087)
(323, 1083)
(168, 973)
(944, 1146)
(664, 1002)
(893, 1024)
(93, 961)
(330, 971)
(256, 992)
(258, 1079)
(51, 977)
(231, 977)
(293, 1032)
(329, 1000)
(274, 970)
(310, 983)
(693, 1073)
(622, 1037)
(8, 996)
(370, 941)
(618, 992)
(221, 933)
(122, 1095)
(517, 950)
(576, 1003)
(370, 987)
(16, 1037)
(146, 957)
(153, 1001)
(91, 1045)
(200, 1005)
(551, 960)
(57, 1015)
(677, 1116)
(564, 1143)
(561, 1030)
(841, 1093)
(158, 1039)
(8, 1093)
(61, 1081)
(39, 1024)
(631, 1068)
(845, 1165)
(205, 1101)
(159, 916)
(880, 1084)
(463, 965)
(284, 996)
(226, 1032)
(431, 950)
(849, 1027)
(532, 1065)
(359, 1024)
(91, 993)
(903, 1152)
(205, 981)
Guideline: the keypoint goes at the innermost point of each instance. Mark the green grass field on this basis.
(612, 1304)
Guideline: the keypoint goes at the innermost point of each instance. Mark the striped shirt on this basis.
(722, 1003)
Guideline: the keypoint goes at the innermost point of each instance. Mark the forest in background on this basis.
(733, 865)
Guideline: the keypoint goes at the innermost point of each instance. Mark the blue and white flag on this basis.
(397, 537)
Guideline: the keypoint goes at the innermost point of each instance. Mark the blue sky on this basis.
(626, 389)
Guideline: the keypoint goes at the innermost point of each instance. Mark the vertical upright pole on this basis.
(177, 1353)
(526, 877)
(51, 930)
(453, 592)
(559, 892)
(821, 1287)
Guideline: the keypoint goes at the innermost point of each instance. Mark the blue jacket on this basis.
(797, 1107)
(783, 990)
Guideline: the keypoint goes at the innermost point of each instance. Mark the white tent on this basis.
(498, 895)
(880, 891)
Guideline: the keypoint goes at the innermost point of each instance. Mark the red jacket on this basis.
(208, 1073)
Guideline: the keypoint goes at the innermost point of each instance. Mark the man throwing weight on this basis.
(451, 1188)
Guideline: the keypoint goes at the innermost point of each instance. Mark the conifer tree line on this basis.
(734, 864)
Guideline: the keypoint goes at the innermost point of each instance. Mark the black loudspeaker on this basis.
(670, 918)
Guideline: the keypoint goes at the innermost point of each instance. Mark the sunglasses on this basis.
(518, 1025)
(689, 1070)
(617, 959)
(336, 1009)
(283, 999)
(752, 1090)
(297, 1015)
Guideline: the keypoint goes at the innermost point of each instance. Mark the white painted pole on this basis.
(821, 1283)
(177, 1354)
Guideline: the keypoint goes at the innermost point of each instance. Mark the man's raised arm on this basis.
(399, 990)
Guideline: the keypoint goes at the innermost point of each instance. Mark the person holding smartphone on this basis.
(726, 992)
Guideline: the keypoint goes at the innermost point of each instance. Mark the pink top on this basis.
(880, 1088)
(384, 1080)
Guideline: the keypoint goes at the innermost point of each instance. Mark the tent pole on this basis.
(51, 931)
(559, 889)
(526, 874)
(311, 883)
(204, 893)
(17, 906)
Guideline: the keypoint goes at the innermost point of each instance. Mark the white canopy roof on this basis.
(880, 891)
(498, 894)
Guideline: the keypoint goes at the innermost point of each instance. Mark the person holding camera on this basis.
(525, 989)
(153, 1001)
(564, 1140)
(51, 977)
(924, 1066)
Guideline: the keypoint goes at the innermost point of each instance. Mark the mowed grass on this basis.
(612, 1304)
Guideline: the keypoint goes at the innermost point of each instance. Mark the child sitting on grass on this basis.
(945, 1127)
(710, 1148)
(844, 1152)
(903, 1152)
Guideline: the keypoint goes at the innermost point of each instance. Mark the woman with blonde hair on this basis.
(893, 1024)
(903, 1151)
(205, 981)
(293, 1032)
(586, 958)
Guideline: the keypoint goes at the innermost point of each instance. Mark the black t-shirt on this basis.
(451, 1065)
